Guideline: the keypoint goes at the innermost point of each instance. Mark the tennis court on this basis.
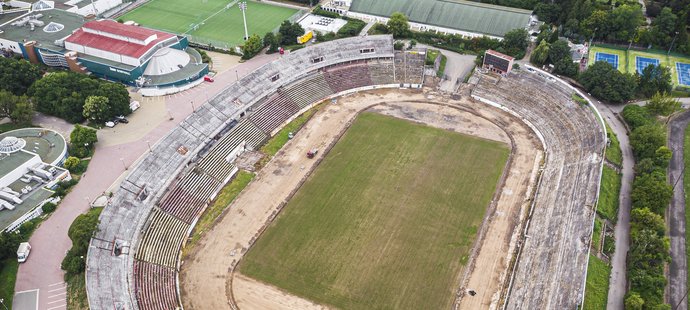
(683, 70)
(644, 62)
(610, 58)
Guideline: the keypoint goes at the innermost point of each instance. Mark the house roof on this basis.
(498, 54)
(117, 46)
(462, 15)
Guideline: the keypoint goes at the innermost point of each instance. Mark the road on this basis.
(50, 241)
(618, 280)
(457, 67)
(675, 215)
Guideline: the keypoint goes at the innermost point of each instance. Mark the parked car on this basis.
(208, 79)
(124, 121)
(109, 124)
(134, 105)
(23, 252)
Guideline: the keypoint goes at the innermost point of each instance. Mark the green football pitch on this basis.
(208, 21)
(386, 221)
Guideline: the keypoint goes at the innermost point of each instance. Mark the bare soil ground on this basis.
(207, 277)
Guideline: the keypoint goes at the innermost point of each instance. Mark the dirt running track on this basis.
(207, 280)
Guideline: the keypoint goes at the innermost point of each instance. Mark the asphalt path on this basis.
(50, 242)
(675, 214)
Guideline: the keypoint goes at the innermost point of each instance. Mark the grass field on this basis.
(597, 291)
(386, 221)
(627, 63)
(222, 29)
(609, 194)
(613, 151)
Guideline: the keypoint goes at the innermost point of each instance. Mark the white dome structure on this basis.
(53, 27)
(166, 60)
(9, 145)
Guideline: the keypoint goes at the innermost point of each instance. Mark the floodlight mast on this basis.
(243, 8)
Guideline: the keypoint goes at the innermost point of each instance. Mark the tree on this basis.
(82, 139)
(251, 47)
(398, 25)
(16, 76)
(566, 66)
(96, 109)
(8, 102)
(540, 53)
(596, 25)
(662, 104)
(662, 156)
(634, 301)
(289, 32)
(118, 98)
(651, 191)
(71, 163)
(646, 139)
(624, 22)
(607, 83)
(272, 42)
(558, 51)
(23, 111)
(643, 218)
(663, 28)
(635, 116)
(515, 42)
(80, 232)
(548, 12)
(655, 79)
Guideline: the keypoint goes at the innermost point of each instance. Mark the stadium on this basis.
(524, 165)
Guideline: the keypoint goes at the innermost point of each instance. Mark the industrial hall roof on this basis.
(461, 15)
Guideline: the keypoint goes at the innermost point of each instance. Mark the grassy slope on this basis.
(8, 276)
(608, 196)
(613, 151)
(686, 183)
(596, 293)
(372, 228)
(178, 16)
(224, 198)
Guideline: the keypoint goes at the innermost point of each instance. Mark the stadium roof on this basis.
(462, 15)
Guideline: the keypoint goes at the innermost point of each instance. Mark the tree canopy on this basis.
(515, 42)
(607, 83)
(655, 79)
(63, 94)
(251, 47)
(398, 25)
(16, 76)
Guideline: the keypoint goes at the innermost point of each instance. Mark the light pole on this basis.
(674, 41)
(149, 144)
(193, 108)
(2, 301)
(243, 8)
(122, 160)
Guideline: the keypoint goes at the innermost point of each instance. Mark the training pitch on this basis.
(208, 21)
(386, 220)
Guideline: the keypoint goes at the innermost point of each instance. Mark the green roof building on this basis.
(447, 16)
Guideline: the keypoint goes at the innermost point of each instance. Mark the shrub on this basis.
(49, 207)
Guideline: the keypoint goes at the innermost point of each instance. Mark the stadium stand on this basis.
(309, 90)
(274, 112)
(139, 243)
(162, 239)
(381, 72)
(155, 286)
(344, 77)
(551, 270)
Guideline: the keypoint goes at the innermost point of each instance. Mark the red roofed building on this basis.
(127, 44)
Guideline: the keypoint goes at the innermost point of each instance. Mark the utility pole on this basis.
(674, 41)
(243, 8)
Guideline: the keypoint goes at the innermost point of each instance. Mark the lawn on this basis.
(386, 220)
(686, 185)
(8, 274)
(597, 291)
(218, 26)
(609, 194)
(613, 151)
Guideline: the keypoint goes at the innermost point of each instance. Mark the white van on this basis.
(23, 252)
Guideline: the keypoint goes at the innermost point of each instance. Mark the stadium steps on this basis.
(381, 72)
(190, 196)
(345, 77)
(161, 240)
(274, 112)
(309, 90)
(214, 162)
(154, 286)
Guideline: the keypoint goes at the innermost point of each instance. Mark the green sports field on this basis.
(217, 25)
(627, 59)
(386, 221)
